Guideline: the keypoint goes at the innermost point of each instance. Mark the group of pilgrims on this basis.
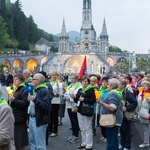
(36, 108)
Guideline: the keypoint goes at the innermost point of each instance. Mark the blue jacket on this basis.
(42, 105)
(113, 99)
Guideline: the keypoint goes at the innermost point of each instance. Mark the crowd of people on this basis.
(38, 103)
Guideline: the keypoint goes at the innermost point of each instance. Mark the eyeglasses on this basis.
(34, 79)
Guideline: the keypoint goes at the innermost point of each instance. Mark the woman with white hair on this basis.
(144, 102)
(110, 105)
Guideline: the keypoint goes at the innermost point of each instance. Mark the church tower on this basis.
(87, 32)
(63, 39)
(104, 39)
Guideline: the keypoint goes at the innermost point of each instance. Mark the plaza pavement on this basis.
(59, 142)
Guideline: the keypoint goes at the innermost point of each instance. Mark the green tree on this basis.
(115, 49)
(33, 30)
(3, 8)
(24, 46)
(143, 63)
(4, 37)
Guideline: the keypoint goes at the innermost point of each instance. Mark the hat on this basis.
(44, 74)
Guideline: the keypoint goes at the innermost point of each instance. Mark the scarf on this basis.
(143, 93)
(53, 82)
(103, 89)
(4, 102)
(76, 87)
(86, 88)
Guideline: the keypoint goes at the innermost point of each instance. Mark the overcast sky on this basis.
(128, 21)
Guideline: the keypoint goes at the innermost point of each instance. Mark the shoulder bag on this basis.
(109, 120)
(143, 112)
(74, 108)
(87, 109)
(129, 115)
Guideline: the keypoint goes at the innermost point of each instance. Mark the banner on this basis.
(83, 70)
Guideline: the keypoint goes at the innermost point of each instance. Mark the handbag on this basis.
(130, 114)
(108, 120)
(74, 108)
(87, 109)
(143, 113)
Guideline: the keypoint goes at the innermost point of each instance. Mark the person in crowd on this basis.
(129, 84)
(27, 76)
(39, 113)
(110, 105)
(145, 103)
(51, 97)
(93, 83)
(53, 126)
(130, 104)
(9, 79)
(134, 83)
(17, 70)
(104, 92)
(62, 85)
(19, 103)
(139, 81)
(6, 125)
(98, 80)
(86, 95)
(70, 94)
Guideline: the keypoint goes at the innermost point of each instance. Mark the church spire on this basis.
(87, 32)
(63, 30)
(63, 39)
(104, 39)
(104, 29)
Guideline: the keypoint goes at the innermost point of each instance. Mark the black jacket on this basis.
(20, 105)
(42, 106)
(130, 100)
(89, 97)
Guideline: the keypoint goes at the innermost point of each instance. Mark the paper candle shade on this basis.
(140, 89)
(98, 94)
(147, 95)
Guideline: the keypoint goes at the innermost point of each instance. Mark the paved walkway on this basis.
(59, 142)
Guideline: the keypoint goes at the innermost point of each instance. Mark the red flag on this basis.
(83, 70)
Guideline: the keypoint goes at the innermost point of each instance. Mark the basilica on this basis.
(70, 55)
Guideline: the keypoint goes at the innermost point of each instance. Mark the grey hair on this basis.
(74, 75)
(27, 71)
(40, 77)
(1, 94)
(122, 81)
(114, 83)
(18, 70)
(93, 78)
(145, 82)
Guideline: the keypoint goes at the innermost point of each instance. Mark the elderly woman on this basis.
(144, 101)
(53, 126)
(130, 103)
(6, 125)
(110, 105)
(19, 104)
(85, 95)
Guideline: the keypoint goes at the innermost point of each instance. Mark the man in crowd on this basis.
(39, 111)
(27, 76)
